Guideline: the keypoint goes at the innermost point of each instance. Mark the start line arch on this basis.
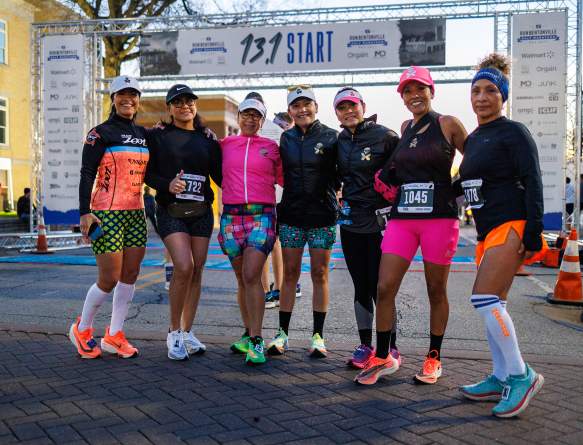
(86, 101)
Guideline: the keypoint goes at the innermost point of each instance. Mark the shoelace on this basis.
(429, 366)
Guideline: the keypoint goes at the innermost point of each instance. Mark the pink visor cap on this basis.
(349, 94)
(418, 74)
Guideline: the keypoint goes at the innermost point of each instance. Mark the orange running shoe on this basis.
(118, 344)
(375, 368)
(84, 341)
(431, 370)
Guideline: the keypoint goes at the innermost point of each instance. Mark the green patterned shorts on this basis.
(121, 229)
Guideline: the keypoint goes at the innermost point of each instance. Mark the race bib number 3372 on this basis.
(416, 198)
(194, 190)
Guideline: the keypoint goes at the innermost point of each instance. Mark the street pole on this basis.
(578, 86)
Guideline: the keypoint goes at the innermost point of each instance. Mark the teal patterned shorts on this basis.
(296, 237)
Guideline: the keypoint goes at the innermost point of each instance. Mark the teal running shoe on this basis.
(317, 347)
(255, 352)
(488, 389)
(241, 345)
(279, 344)
(518, 391)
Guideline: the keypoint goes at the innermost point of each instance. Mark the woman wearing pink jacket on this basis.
(251, 168)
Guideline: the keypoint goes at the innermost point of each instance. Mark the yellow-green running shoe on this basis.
(241, 345)
(279, 344)
(317, 348)
(255, 351)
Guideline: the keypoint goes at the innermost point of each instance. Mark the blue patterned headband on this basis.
(496, 77)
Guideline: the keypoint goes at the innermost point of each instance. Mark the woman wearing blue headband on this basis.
(502, 185)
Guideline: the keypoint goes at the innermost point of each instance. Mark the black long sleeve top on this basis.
(503, 155)
(173, 149)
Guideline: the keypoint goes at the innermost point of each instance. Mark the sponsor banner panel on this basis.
(538, 97)
(62, 98)
(294, 48)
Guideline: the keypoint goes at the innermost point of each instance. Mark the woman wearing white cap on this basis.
(114, 160)
(363, 148)
(424, 215)
(183, 159)
(251, 167)
(307, 213)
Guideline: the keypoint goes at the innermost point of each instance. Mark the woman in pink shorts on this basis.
(424, 214)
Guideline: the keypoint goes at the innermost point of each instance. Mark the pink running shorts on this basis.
(437, 237)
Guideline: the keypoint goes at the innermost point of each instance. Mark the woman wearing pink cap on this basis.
(424, 214)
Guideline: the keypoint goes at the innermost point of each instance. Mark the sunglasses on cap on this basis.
(300, 86)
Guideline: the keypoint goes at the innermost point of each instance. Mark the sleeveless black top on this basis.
(422, 167)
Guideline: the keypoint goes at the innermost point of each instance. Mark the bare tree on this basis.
(122, 48)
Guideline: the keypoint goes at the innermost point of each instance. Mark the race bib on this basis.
(194, 190)
(383, 216)
(416, 198)
(473, 193)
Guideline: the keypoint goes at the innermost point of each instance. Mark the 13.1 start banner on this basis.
(330, 46)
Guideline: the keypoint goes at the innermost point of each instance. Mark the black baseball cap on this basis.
(179, 90)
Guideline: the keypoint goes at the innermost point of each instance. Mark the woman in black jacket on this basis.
(183, 158)
(307, 212)
(364, 147)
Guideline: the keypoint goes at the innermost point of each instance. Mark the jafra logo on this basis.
(413, 143)
(319, 148)
(366, 154)
(410, 72)
(127, 80)
(130, 139)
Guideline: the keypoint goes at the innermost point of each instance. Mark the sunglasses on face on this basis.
(245, 115)
(180, 102)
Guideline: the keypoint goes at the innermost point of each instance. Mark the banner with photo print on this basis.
(538, 92)
(328, 46)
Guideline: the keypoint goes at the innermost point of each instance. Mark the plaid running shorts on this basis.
(247, 225)
(121, 229)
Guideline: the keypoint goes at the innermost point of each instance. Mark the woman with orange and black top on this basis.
(111, 205)
(183, 159)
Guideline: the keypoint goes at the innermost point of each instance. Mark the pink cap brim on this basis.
(413, 79)
(346, 99)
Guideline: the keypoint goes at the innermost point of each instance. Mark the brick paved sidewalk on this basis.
(48, 395)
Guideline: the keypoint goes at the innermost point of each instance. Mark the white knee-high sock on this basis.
(500, 327)
(93, 301)
(122, 297)
(498, 363)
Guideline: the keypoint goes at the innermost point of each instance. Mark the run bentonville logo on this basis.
(538, 33)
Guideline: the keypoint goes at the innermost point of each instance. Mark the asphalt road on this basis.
(47, 297)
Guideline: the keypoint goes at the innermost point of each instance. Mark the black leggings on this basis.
(362, 253)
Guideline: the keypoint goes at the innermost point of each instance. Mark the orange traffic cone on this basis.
(42, 246)
(568, 289)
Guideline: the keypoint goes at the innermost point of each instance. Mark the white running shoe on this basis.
(176, 348)
(193, 345)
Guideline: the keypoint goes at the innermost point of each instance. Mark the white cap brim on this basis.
(253, 104)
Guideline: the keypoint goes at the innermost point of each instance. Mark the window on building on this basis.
(3, 46)
(3, 121)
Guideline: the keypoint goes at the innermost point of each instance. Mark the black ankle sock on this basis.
(383, 343)
(393, 343)
(284, 318)
(365, 337)
(257, 339)
(246, 333)
(319, 318)
(435, 343)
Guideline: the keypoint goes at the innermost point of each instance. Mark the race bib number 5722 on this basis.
(194, 190)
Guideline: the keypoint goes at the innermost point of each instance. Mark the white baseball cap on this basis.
(300, 91)
(122, 83)
(253, 104)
